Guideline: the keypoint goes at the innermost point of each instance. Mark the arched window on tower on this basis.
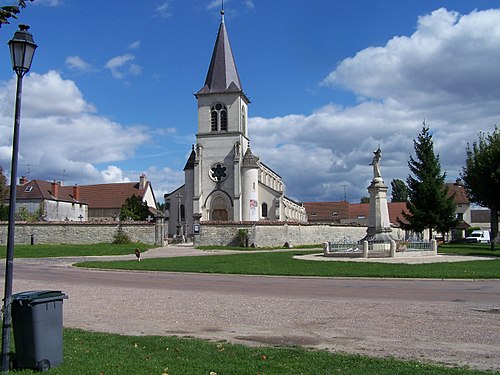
(223, 120)
(213, 120)
(243, 120)
(218, 117)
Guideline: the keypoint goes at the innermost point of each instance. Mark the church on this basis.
(224, 180)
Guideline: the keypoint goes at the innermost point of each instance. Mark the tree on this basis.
(429, 204)
(481, 175)
(10, 11)
(134, 209)
(365, 200)
(399, 191)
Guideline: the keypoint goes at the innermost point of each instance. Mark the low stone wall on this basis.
(277, 233)
(77, 232)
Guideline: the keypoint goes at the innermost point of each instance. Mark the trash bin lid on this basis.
(35, 295)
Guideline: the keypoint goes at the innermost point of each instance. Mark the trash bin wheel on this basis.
(43, 365)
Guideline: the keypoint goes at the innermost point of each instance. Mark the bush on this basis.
(121, 238)
(242, 237)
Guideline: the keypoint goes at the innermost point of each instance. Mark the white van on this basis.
(478, 236)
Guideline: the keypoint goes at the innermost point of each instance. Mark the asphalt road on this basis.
(450, 322)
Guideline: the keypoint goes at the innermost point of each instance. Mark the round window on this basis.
(218, 172)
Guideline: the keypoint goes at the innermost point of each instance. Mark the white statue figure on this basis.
(376, 163)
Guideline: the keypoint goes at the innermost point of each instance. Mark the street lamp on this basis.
(22, 48)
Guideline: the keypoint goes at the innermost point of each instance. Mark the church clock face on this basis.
(218, 172)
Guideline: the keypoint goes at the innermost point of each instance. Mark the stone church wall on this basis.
(278, 233)
(77, 233)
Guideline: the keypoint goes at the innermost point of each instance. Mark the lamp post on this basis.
(22, 48)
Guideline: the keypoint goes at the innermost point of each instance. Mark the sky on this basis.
(110, 92)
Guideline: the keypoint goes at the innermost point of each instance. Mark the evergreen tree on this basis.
(429, 204)
(481, 175)
(134, 209)
(364, 200)
(399, 191)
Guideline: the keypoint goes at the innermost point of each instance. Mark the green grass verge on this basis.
(469, 249)
(47, 251)
(108, 354)
(283, 264)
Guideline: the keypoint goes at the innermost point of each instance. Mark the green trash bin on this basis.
(38, 329)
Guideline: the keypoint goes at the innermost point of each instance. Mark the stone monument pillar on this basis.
(379, 226)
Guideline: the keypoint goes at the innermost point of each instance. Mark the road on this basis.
(450, 322)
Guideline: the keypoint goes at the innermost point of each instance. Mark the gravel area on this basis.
(451, 333)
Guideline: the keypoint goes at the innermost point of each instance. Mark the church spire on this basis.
(222, 74)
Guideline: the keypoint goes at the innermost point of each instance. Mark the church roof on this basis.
(250, 160)
(222, 74)
(191, 160)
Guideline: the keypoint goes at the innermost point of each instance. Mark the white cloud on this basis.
(135, 45)
(446, 73)
(60, 131)
(164, 9)
(77, 63)
(215, 4)
(122, 65)
(51, 3)
(249, 4)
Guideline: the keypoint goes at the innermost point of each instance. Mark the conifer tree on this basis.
(429, 204)
(399, 191)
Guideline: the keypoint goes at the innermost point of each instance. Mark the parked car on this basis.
(478, 236)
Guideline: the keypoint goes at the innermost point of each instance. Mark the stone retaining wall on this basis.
(277, 233)
(78, 232)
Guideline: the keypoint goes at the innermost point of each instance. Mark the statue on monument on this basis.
(376, 163)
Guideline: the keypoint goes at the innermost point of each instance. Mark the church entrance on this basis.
(219, 210)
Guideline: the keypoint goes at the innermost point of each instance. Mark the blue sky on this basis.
(110, 93)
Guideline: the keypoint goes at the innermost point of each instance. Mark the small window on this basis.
(213, 121)
(264, 210)
(28, 189)
(218, 117)
(335, 213)
(361, 217)
(223, 120)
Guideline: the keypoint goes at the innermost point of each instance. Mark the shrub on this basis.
(121, 238)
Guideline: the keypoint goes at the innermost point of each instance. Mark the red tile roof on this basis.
(322, 211)
(96, 196)
(110, 195)
(326, 211)
(38, 189)
(461, 196)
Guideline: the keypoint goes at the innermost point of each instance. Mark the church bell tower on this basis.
(215, 174)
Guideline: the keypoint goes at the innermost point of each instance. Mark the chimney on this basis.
(76, 193)
(23, 180)
(142, 181)
(55, 189)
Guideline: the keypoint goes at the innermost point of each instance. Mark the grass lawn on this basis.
(46, 251)
(283, 264)
(107, 354)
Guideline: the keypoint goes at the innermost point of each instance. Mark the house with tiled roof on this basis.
(105, 200)
(50, 201)
(349, 213)
(55, 202)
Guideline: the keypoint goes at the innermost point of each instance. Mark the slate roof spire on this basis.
(222, 74)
